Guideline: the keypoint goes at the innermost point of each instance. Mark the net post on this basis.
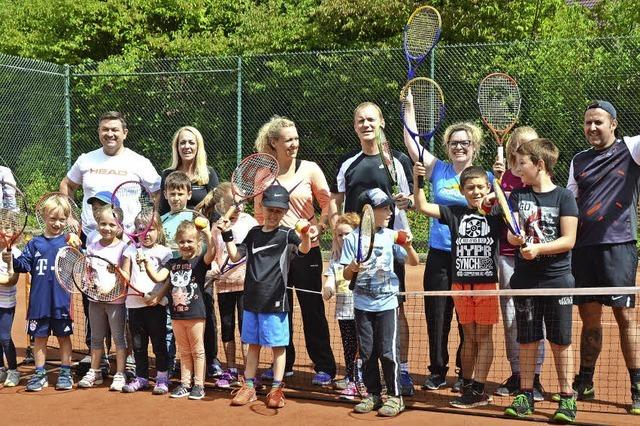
(67, 113)
(239, 113)
(432, 76)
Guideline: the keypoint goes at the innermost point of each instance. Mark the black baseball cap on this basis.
(276, 196)
(375, 197)
(605, 105)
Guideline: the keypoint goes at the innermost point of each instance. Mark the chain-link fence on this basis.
(228, 99)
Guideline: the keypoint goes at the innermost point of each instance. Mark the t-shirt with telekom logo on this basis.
(268, 257)
(97, 171)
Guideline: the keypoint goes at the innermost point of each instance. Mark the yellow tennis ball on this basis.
(201, 222)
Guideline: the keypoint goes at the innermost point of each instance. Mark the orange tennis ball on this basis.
(400, 237)
(303, 227)
(201, 222)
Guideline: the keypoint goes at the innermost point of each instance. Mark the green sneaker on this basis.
(368, 404)
(583, 388)
(566, 412)
(635, 399)
(393, 406)
(521, 406)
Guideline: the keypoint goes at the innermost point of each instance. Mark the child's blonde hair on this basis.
(156, 223)
(56, 202)
(215, 200)
(353, 220)
(520, 135)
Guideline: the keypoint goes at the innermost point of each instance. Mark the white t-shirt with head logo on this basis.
(96, 172)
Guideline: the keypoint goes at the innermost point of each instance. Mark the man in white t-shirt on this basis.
(107, 167)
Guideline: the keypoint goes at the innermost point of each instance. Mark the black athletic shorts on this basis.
(606, 265)
(534, 314)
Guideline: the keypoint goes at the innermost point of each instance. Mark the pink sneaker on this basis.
(227, 379)
(349, 392)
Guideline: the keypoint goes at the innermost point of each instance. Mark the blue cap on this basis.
(375, 197)
(276, 196)
(103, 197)
(605, 105)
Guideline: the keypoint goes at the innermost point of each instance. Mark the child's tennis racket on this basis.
(138, 206)
(420, 36)
(73, 221)
(386, 157)
(99, 279)
(499, 103)
(227, 266)
(507, 213)
(252, 176)
(66, 259)
(366, 235)
(422, 110)
(13, 214)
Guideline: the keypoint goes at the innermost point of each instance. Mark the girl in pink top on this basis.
(306, 184)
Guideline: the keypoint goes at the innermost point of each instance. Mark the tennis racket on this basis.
(499, 102)
(138, 207)
(66, 259)
(505, 209)
(73, 221)
(252, 176)
(420, 36)
(228, 266)
(99, 279)
(13, 214)
(366, 235)
(386, 157)
(422, 111)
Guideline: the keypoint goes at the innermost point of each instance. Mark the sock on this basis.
(477, 387)
(404, 367)
(566, 395)
(587, 372)
(249, 382)
(276, 384)
(467, 382)
(634, 375)
(63, 367)
(40, 369)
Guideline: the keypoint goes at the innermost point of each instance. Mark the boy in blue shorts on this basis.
(49, 305)
(375, 297)
(549, 218)
(268, 249)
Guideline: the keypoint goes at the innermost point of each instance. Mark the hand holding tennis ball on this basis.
(302, 226)
(73, 240)
(401, 238)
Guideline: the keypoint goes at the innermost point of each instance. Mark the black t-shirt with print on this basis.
(268, 257)
(474, 243)
(187, 279)
(539, 215)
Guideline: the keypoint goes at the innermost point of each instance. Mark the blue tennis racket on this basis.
(421, 34)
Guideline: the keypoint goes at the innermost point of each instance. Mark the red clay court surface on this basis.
(312, 405)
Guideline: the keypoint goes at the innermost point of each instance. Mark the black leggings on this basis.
(149, 323)
(439, 311)
(349, 338)
(230, 303)
(210, 330)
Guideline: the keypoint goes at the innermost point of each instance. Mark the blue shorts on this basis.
(270, 329)
(45, 327)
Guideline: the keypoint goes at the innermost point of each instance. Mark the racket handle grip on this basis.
(501, 153)
(230, 212)
(420, 183)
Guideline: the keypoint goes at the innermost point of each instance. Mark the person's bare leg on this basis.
(591, 334)
(563, 358)
(484, 355)
(528, 352)
(629, 336)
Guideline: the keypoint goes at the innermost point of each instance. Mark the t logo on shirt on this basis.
(42, 266)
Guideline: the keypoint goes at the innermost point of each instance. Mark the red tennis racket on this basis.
(66, 259)
(252, 176)
(99, 279)
(13, 214)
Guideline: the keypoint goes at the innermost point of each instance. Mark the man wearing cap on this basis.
(105, 168)
(604, 180)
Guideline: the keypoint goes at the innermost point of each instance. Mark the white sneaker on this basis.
(13, 378)
(119, 380)
(91, 379)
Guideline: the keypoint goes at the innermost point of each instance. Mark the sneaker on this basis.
(470, 398)
(215, 369)
(509, 387)
(268, 374)
(457, 386)
(28, 357)
(368, 404)
(391, 407)
(434, 382)
(118, 382)
(275, 398)
(65, 379)
(583, 388)
(38, 381)
(321, 379)
(197, 392)
(162, 384)
(85, 360)
(3, 374)
(538, 390)
(91, 379)
(566, 412)
(139, 383)
(341, 384)
(406, 383)
(521, 406)
(227, 378)
(635, 399)
(349, 393)
(12, 379)
(179, 392)
(244, 395)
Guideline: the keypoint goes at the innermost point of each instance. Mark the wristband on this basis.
(227, 236)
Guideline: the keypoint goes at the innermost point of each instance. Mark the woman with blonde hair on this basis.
(306, 183)
(189, 155)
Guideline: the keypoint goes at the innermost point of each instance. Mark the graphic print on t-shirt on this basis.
(473, 245)
(182, 287)
(540, 222)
